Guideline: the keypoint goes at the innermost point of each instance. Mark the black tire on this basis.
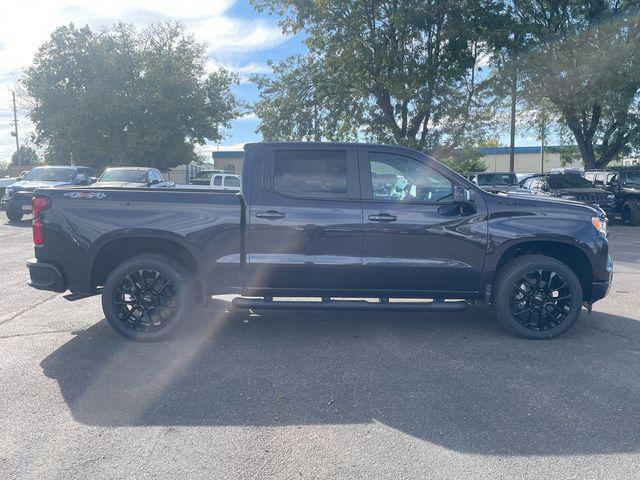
(133, 306)
(630, 214)
(14, 216)
(533, 303)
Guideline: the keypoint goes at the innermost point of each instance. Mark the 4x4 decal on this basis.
(85, 195)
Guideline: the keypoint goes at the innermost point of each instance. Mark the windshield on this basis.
(568, 181)
(51, 175)
(631, 178)
(131, 176)
(497, 179)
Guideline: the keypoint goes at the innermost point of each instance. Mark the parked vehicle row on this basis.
(16, 193)
(624, 185)
(327, 220)
(616, 192)
(570, 186)
(17, 196)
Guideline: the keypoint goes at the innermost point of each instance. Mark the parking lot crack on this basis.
(27, 309)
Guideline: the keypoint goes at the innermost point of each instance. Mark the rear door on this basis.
(416, 239)
(305, 221)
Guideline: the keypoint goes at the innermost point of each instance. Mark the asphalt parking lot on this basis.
(316, 395)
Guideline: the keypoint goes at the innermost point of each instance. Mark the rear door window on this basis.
(217, 181)
(310, 173)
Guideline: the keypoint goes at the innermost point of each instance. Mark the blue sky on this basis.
(237, 36)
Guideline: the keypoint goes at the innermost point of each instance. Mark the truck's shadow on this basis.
(454, 380)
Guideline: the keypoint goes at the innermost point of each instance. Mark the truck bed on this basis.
(82, 222)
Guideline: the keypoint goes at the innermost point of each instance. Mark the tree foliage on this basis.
(464, 160)
(393, 71)
(584, 58)
(28, 156)
(126, 97)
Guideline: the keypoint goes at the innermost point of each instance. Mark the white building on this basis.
(526, 159)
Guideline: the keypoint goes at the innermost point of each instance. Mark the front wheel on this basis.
(147, 298)
(14, 216)
(630, 213)
(537, 297)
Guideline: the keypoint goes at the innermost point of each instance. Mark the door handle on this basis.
(270, 215)
(383, 217)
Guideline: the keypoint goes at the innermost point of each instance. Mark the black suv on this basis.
(571, 186)
(624, 184)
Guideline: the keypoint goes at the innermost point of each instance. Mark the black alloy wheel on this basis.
(537, 297)
(541, 299)
(145, 300)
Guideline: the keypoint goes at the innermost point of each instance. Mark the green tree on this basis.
(123, 96)
(584, 58)
(28, 156)
(464, 160)
(393, 71)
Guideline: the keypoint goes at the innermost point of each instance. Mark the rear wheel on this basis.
(14, 215)
(537, 297)
(147, 298)
(630, 213)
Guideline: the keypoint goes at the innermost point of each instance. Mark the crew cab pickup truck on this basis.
(315, 226)
(17, 196)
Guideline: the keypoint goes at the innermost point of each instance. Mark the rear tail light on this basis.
(38, 205)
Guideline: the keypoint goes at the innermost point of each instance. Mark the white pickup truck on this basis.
(219, 181)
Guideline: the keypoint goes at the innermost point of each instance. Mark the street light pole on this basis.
(15, 124)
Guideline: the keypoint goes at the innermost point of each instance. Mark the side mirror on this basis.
(462, 195)
(155, 181)
(93, 179)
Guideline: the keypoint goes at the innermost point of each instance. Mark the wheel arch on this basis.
(113, 251)
(569, 254)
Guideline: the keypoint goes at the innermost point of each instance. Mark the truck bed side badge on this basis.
(85, 195)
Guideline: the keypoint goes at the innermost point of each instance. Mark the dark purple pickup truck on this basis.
(327, 220)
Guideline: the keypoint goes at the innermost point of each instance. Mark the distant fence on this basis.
(182, 174)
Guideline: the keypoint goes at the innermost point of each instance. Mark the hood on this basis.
(119, 184)
(631, 190)
(32, 185)
(546, 199)
(503, 188)
(579, 191)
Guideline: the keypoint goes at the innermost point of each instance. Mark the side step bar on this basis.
(349, 305)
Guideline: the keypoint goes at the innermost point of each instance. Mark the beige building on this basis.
(230, 161)
(526, 159)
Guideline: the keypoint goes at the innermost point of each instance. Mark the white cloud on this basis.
(26, 25)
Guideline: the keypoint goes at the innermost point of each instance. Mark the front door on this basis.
(305, 221)
(416, 239)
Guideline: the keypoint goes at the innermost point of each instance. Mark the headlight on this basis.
(600, 224)
(611, 198)
(8, 192)
(568, 197)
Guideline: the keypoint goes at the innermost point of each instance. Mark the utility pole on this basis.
(15, 132)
